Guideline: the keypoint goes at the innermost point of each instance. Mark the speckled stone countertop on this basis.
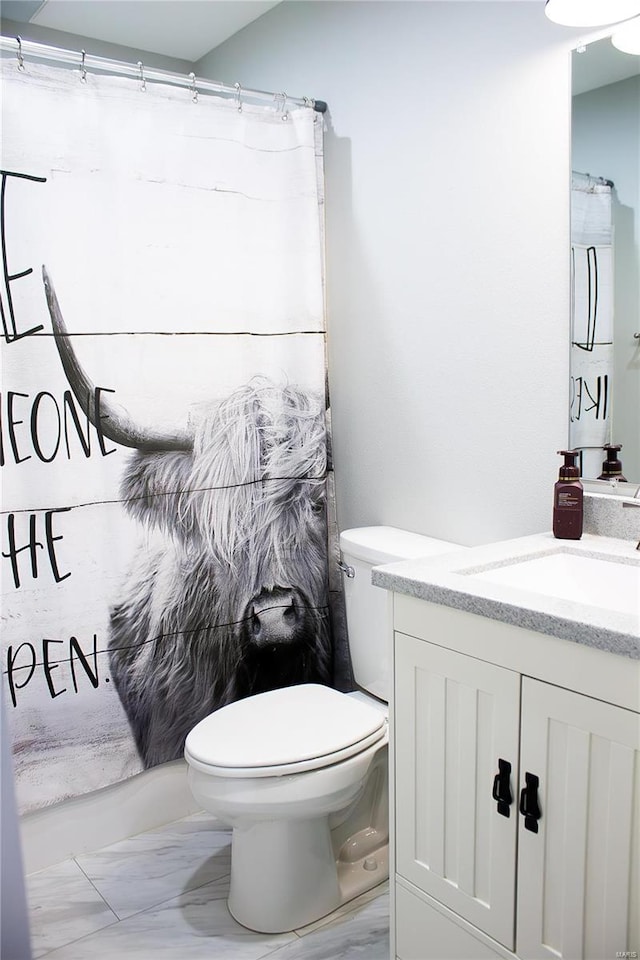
(453, 580)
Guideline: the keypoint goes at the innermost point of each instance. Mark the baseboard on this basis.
(87, 823)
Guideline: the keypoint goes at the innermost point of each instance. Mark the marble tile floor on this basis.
(162, 896)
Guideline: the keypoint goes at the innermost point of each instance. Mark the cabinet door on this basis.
(455, 716)
(578, 891)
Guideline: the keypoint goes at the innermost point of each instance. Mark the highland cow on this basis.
(228, 596)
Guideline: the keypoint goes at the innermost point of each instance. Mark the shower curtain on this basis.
(167, 496)
(591, 320)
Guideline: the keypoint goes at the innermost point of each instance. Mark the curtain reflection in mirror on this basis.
(591, 319)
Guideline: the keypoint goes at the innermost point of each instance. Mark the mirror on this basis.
(605, 259)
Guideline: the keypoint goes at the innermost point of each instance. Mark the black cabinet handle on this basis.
(529, 806)
(502, 787)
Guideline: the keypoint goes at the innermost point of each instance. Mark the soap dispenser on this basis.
(567, 499)
(612, 466)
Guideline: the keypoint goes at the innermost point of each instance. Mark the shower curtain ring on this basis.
(19, 54)
(194, 91)
(83, 69)
(143, 82)
(238, 97)
(281, 100)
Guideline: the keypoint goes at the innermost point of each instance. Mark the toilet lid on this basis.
(308, 726)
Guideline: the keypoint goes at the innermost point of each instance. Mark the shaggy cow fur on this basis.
(233, 527)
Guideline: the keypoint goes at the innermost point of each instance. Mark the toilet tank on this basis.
(368, 607)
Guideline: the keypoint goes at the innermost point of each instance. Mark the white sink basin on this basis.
(597, 581)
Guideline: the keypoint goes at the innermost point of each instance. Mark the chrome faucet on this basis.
(636, 494)
(633, 503)
(629, 503)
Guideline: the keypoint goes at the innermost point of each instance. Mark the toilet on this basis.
(300, 773)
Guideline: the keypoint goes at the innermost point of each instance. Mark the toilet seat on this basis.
(285, 731)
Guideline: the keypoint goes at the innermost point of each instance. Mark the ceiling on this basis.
(184, 29)
(189, 29)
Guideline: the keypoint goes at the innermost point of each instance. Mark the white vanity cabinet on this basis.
(488, 721)
(578, 893)
(454, 716)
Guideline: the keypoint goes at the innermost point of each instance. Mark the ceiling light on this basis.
(590, 13)
(626, 37)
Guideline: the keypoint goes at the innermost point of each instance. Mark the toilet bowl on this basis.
(300, 773)
(287, 769)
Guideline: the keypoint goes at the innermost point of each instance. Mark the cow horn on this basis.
(115, 422)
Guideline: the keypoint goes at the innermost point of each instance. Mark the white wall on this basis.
(606, 142)
(447, 166)
(97, 48)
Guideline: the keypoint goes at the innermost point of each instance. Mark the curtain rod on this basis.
(601, 180)
(28, 48)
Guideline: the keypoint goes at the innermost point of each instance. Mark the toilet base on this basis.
(370, 866)
(285, 875)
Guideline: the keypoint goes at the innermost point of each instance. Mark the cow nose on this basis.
(273, 617)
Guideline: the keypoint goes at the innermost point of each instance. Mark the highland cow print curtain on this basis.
(163, 419)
